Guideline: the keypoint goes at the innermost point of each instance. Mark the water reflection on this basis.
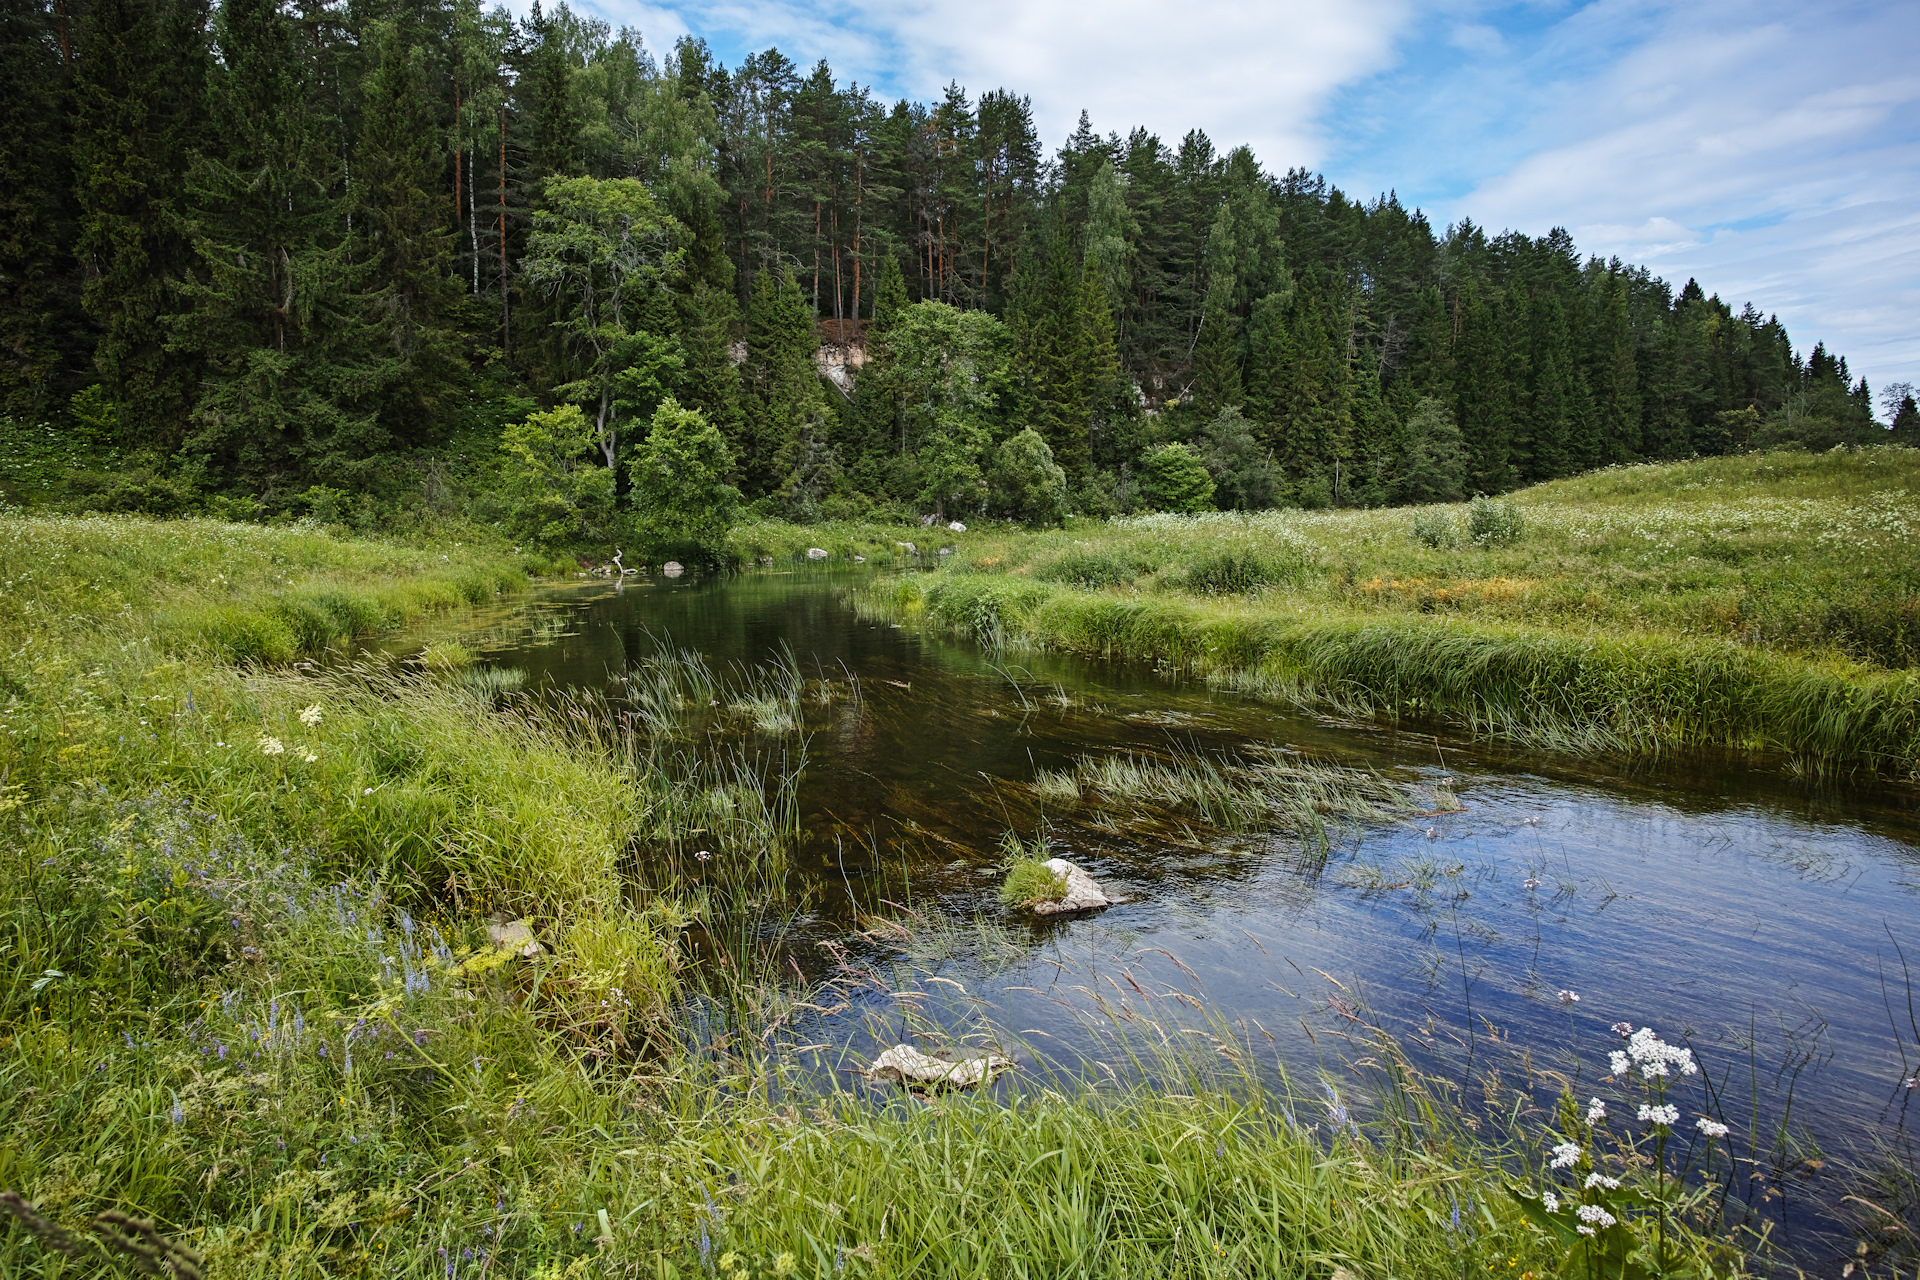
(1761, 920)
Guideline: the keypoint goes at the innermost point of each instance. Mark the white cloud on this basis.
(1768, 150)
(1254, 73)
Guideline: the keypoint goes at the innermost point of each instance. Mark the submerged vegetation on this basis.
(1765, 602)
(374, 965)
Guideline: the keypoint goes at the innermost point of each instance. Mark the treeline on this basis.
(279, 251)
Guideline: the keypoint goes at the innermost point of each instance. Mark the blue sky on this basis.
(1769, 149)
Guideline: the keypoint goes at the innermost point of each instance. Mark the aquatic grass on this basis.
(1280, 794)
(1028, 880)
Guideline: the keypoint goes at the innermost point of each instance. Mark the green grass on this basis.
(1767, 603)
(249, 993)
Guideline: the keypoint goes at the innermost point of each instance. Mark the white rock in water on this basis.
(673, 568)
(816, 553)
(904, 1064)
(957, 527)
(515, 936)
(1083, 893)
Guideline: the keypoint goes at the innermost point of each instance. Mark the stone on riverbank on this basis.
(906, 1065)
(1083, 892)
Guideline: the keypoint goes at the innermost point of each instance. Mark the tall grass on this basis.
(251, 994)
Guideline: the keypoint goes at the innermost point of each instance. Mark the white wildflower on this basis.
(1602, 1180)
(312, 757)
(1596, 1111)
(1586, 1231)
(1551, 1200)
(1654, 1056)
(1569, 997)
(1594, 1214)
(1712, 1128)
(1660, 1115)
(271, 746)
(1618, 1061)
(1566, 1155)
(311, 716)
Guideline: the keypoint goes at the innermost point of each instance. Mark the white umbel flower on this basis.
(1712, 1128)
(1566, 1155)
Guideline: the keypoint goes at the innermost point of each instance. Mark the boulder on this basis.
(909, 547)
(904, 1064)
(515, 936)
(816, 553)
(957, 527)
(1083, 892)
(673, 568)
(859, 559)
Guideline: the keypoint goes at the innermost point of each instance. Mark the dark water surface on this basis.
(1757, 918)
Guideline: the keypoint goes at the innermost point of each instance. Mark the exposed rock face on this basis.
(904, 1064)
(1083, 892)
(840, 363)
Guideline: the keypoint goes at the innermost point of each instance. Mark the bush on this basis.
(1173, 478)
(1435, 529)
(1491, 523)
(1026, 483)
(679, 474)
(556, 491)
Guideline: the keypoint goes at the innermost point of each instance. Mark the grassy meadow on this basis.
(256, 995)
(1764, 602)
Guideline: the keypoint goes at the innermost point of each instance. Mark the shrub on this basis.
(1172, 478)
(1026, 483)
(679, 477)
(1435, 529)
(556, 491)
(1491, 523)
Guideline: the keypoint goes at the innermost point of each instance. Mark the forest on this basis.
(359, 261)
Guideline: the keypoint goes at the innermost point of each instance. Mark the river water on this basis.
(1765, 921)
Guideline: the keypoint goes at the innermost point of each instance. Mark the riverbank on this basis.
(264, 988)
(1765, 603)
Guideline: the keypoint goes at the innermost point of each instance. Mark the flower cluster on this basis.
(1653, 1056)
(1663, 1114)
(1566, 1155)
(1711, 1128)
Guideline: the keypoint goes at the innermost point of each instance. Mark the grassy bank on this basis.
(255, 989)
(1768, 602)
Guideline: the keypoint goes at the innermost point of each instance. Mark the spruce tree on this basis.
(139, 102)
(1051, 332)
(42, 337)
(786, 413)
(276, 315)
(710, 384)
(1216, 381)
(407, 244)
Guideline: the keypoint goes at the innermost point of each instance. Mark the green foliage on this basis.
(1173, 478)
(1436, 529)
(1025, 484)
(555, 487)
(1092, 569)
(1242, 469)
(1434, 466)
(1029, 881)
(1494, 523)
(681, 493)
(601, 253)
(1231, 571)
